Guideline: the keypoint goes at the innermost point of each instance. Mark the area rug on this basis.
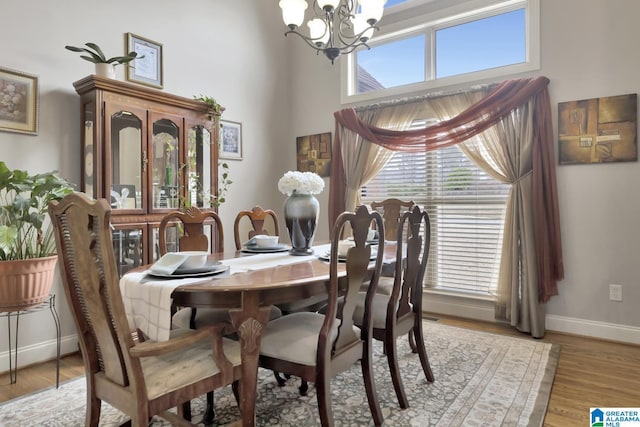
(482, 379)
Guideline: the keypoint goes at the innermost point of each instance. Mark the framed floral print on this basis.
(18, 102)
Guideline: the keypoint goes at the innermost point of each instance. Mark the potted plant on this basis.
(104, 66)
(27, 245)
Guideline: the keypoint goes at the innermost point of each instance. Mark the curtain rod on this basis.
(424, 97)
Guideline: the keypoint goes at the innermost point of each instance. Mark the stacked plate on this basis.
(179, 265)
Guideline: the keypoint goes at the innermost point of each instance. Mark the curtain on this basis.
(502, 101)
(505, 151)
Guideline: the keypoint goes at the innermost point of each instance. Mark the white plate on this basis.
(211, 268)
(252, 249)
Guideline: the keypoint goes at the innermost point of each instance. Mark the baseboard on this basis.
(590, 328)
(40, 352)
(482, 309)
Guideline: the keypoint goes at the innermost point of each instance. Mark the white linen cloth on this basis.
(147, 300)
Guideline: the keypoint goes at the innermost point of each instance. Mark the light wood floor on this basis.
(591, 373)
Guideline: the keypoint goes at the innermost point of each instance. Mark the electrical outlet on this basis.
(615, 292)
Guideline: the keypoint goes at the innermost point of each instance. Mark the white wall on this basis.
(234, 51)
(588, 50)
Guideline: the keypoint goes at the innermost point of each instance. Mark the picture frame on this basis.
(147, 68)
(19, 108)
(230, 140)
(313, 153)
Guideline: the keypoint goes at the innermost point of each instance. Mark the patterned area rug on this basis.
(482, 379)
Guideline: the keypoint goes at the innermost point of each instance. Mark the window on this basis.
(457, 45)
(466, 209)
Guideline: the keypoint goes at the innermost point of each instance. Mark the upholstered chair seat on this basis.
(295, 337)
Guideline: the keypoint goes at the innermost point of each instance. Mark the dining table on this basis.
(247, 288)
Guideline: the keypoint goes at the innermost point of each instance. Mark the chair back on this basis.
(391, 209)
(409, 275)
(257, 217)
(90, 278)
(358, 270)
(190, 226)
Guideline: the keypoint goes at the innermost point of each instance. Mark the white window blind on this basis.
(466, 209)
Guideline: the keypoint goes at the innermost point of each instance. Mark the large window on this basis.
(457, 45)
(466, 209)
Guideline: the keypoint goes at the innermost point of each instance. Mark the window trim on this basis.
(427, 24)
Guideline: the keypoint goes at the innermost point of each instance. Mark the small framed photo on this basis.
(147, 67)
(230, 140)
(18, 102)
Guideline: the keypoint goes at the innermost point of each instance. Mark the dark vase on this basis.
(301, 215)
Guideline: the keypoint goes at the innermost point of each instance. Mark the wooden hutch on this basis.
(148, 152)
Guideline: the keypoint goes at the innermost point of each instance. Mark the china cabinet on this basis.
(149, 152)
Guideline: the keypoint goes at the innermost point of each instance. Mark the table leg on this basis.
(249, 322)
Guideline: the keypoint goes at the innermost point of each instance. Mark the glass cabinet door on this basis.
(125, 175)
(198, 167)
(128, 246)
(165, 164)
(89, 161)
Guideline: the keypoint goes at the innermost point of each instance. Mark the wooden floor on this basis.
(591, 373)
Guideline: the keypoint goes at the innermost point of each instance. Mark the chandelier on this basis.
(339, 26)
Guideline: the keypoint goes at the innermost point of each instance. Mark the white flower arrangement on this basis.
(300, 183)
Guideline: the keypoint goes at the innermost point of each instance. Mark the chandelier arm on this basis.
(307, 39)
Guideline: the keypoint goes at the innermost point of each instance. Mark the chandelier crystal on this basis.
(338, 26)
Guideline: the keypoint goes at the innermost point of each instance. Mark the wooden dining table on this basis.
(248, 296)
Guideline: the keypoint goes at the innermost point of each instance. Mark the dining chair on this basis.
(257, 217)
(316, 347)
(188, 228)
(141, 379)
(391, 209)
(401, 312)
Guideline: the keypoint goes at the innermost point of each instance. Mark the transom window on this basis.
(457, 45)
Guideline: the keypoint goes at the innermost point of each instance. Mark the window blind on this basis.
(466, 208)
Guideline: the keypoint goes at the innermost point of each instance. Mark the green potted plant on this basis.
(27, 245)
(104, 66)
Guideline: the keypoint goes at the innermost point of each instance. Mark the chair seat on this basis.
(294, 337)
(385, 286)
(210, 316)
(173, 371)
(378, 309)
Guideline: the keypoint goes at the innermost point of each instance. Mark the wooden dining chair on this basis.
(316, 347)
(391, 209)
(257, 217)
(189, 230)
(401, 312)
(141, 379)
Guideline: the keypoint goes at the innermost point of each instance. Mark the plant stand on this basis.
(49, 303)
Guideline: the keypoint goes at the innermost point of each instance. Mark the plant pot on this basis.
(25, 283)
(106, 70)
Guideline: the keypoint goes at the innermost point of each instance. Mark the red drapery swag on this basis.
(500, 102)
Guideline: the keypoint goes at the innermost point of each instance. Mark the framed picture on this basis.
(598, 130)
(18, 102)
(313, 153)
(230, 140)
(147, 67)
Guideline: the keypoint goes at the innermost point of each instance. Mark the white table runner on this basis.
(147, 300)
